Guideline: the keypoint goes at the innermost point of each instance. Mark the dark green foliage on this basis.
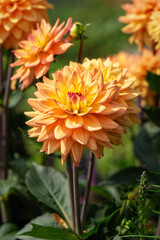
(154, 81)
(51, 233)
(49, 187)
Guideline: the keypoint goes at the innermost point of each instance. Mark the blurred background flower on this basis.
(154, 27)
(138, 66)
(38, 51)
(17, 18)
(137, 17)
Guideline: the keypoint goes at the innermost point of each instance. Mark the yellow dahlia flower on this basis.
(112, 71)
(18, 17)
(37, 52)
(137, 17)
(154, 28)
(76, 109)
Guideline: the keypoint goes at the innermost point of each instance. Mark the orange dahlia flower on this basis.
(37, 52)
(125, 60)
(18, 17)
(145, 62)
(127, 93)
(76, 109)
(137, 17)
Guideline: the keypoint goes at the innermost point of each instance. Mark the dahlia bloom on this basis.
(124, 59)
(18, 17)
(145, 62)
(137, 17)
(154, 28)
(37, 52)
(77, 108)
(127, 93)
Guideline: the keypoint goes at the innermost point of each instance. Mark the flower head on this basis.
(18, 17)
(127, 93)
(145, 62)
(137, 17)
(37, 52)
(154, 28)
(77, 108)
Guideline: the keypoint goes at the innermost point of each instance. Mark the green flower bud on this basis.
(77, 31)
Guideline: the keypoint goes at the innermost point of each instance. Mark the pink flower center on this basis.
(75, 101)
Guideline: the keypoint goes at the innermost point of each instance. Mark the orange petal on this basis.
(53, 146)
(66, 144)
(92, 144)
(58, 113)
(46, 133)
(81, 135)
(99, 135)
(107, 123)
(74, 122)
(41, 70)
(91, 123)
(76, 153)
(61, 131)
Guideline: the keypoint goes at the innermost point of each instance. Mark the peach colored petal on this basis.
(61, 131)
(74, 121)
(76, 153)
(91, 123)
(66, 144)
(80, 135)
(53, 146)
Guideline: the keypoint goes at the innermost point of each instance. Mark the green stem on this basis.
(89, 181)
(76, 200)
(80, 50)
(5, 119)
(70, 187)
(119, 218)
(4, 212)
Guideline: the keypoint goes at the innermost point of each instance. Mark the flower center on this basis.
(74, 101)
(71, 94)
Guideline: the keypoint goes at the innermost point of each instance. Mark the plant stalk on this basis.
(80, 50)
(70, 187)
(5, 120)
(1, 85)
(87, 192)
(76, 200)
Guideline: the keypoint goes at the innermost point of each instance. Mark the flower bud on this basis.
(76, 31)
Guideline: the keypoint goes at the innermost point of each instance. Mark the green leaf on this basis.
(154, 115)
(45, 220)
(95, 229)
(141, 236)
(157, 212)
(8, 231)
(44, 232)
(154, 81)
(50, 187)
(6, 185)
(125, 176)
(15, 98)
(144, 150)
